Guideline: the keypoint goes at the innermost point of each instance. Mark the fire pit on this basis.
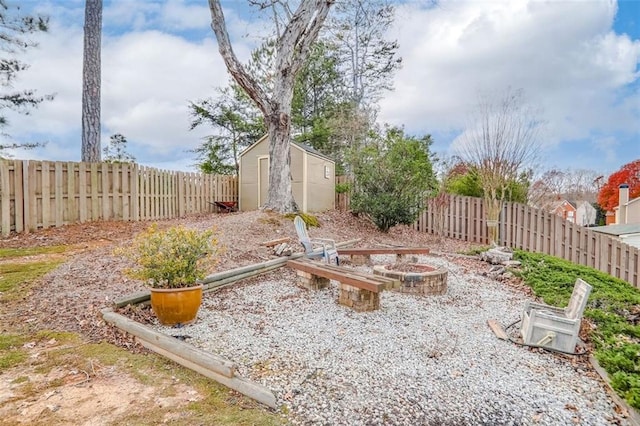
(415, 278)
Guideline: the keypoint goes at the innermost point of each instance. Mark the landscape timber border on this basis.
(210, 365)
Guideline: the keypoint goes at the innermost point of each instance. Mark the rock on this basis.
(495, 256)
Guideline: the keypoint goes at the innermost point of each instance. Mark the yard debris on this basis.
(283, 249)
(276, 242)
(497, 255)
(501, 259)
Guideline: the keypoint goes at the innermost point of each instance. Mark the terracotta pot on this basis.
(175, 306)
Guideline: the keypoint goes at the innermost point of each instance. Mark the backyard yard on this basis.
(427, 360)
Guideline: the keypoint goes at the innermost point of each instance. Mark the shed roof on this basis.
(619, 229)
(302, 146)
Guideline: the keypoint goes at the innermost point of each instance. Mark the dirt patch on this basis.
(56, 386)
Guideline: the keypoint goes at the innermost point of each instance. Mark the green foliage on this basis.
(612, 306)
(342, 188)
(172, 258)
(392, 178)
(465, 180)
(116, 151)
(237, 124)
(309, 219)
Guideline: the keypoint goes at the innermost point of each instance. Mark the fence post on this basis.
(5, 198)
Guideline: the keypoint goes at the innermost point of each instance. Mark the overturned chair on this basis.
(329, 253)
(552, 327)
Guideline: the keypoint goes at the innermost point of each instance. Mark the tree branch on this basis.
(234, 66)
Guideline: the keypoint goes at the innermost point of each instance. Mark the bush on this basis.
(611, 309)
(393, 176)
(172, 258)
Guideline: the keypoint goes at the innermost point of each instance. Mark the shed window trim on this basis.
(327, 171)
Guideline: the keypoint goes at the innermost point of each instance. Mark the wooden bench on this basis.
(360, 256)
(357, 290)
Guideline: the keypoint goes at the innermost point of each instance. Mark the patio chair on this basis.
(329, 253)
(552, 327)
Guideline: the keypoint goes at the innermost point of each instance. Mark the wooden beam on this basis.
(344, 276)
(186, 351)
(187, 355)
(384, 250)
(275, 242)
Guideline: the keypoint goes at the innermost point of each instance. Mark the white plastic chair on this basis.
(329, 252)
(553, 327)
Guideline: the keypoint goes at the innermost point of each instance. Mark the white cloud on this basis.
(563, 54)
(148, 78)
(159, 54)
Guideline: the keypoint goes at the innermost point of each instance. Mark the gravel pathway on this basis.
(418, 360)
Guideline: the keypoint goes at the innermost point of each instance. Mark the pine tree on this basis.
(15, 27)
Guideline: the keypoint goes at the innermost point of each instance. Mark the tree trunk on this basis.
(280, 195)
(292, 49)
(91, 81)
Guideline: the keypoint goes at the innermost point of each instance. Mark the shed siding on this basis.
(306, 169)
(321, 191)
(249, 175)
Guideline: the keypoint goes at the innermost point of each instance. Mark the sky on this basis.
(576, 61)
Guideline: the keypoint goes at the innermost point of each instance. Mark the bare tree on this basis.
(555, 185)
(91, 81)
(502, 142)
(292, 50)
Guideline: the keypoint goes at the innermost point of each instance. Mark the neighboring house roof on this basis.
(562, 204)
(302, 146)
(618, 229)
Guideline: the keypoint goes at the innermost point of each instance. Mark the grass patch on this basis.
(11, 352)
(12, 275)
(31, 251)
(309, 219)
(613, 307)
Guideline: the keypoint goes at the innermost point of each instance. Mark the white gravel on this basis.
(417, 361)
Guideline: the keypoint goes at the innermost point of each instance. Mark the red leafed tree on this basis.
(629, 174)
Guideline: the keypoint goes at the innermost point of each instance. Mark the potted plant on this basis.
(172, 261)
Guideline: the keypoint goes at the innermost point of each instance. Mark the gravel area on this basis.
(418, 360)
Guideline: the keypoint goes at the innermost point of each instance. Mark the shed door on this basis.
(263, 180)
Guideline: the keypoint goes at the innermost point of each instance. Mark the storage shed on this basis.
(312, 174)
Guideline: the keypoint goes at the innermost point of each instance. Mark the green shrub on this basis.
(393, 176)
(616, 338)
(172, 258)
(342, 188)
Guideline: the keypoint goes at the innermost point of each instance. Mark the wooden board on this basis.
(383, 250)
(388, 282)
(497, 329)
(343, 275)
(272, 243)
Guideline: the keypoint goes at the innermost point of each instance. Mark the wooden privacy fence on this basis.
(534, 230)
(40, 194)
